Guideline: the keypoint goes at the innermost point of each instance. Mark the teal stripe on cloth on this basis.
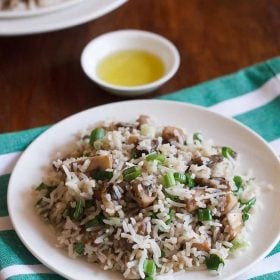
(227, 87)
(12, 251)
(275, 250)
(4, 180)
(264, 120)
(18, 141)
(36, 277)
(274, 65)
(269, 276)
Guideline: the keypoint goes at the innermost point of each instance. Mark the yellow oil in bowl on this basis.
(130, 68)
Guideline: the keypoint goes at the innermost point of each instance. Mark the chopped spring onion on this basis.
(102, 175)
(153, 215)
(92, 223)
(155, 156)
(172, 197)
(79, 248)
(238, 182)
(98, 220)
(245, 217)
(131, 173)
(237, 244)
(213, 262)
(247, 206)
(171, 216)
(78, 209)
(147, 130)
(44, 186)
(227, 152)
(149, 267)
(197, 137)
(180, 177)
(96, 134)
(41, 187)
(168, 179)
(204, 214)
(189, 181)
(149, 277)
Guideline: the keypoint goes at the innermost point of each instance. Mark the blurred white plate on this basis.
(36, 11)
(71, 16)
(255, 153)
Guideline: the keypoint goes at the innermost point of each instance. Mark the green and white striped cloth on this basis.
(251, 96)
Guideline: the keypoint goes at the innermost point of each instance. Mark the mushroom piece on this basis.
(143, 119)
(171, 133)
(204, 246)
(141, 196)
(208, 161)
(100, 163)
(132, 139)
(230, 203)
(215, 182)
(233, 224)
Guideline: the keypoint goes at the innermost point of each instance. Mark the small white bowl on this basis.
(115, 41)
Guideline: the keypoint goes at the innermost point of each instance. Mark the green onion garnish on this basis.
(41, 187)
(79, 248)
(197, 137)
(44, 186)
(238, 182)
(189, 181)
(228, 152)
(213, 262)
(204, 214)
(149, 267)
(131, 173)
(180, 177)
(248, 205)
(149, 277)
(92, 223)
(168, 179)
(98, 220)
(245, 217)
(78, 209)
(237, 244)
(171, 216)
(96, 134)
(155, 156)
(153, 215)
(102, 175)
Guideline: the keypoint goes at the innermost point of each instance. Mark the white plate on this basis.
(36, 11)
(254, 151)
(77, 14)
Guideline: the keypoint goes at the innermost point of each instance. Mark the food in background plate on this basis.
(26, 4)
(145, 200)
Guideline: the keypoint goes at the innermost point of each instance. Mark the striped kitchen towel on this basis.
(251, 96)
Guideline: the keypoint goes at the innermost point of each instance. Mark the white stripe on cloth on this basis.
(275, 144)
(265, 266)
(5, 223)
(252, 100)
(7, 162)
(18, 269)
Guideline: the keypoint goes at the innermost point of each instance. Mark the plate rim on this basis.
(74, 21)
(37, 11)
(236, 122)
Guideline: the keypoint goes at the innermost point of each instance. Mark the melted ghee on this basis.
(130, 68)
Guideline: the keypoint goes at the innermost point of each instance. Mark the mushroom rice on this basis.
(147, 200)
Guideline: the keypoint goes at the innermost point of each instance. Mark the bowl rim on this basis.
(132, 32)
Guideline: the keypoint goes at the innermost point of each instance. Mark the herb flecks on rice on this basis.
(146, 200)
